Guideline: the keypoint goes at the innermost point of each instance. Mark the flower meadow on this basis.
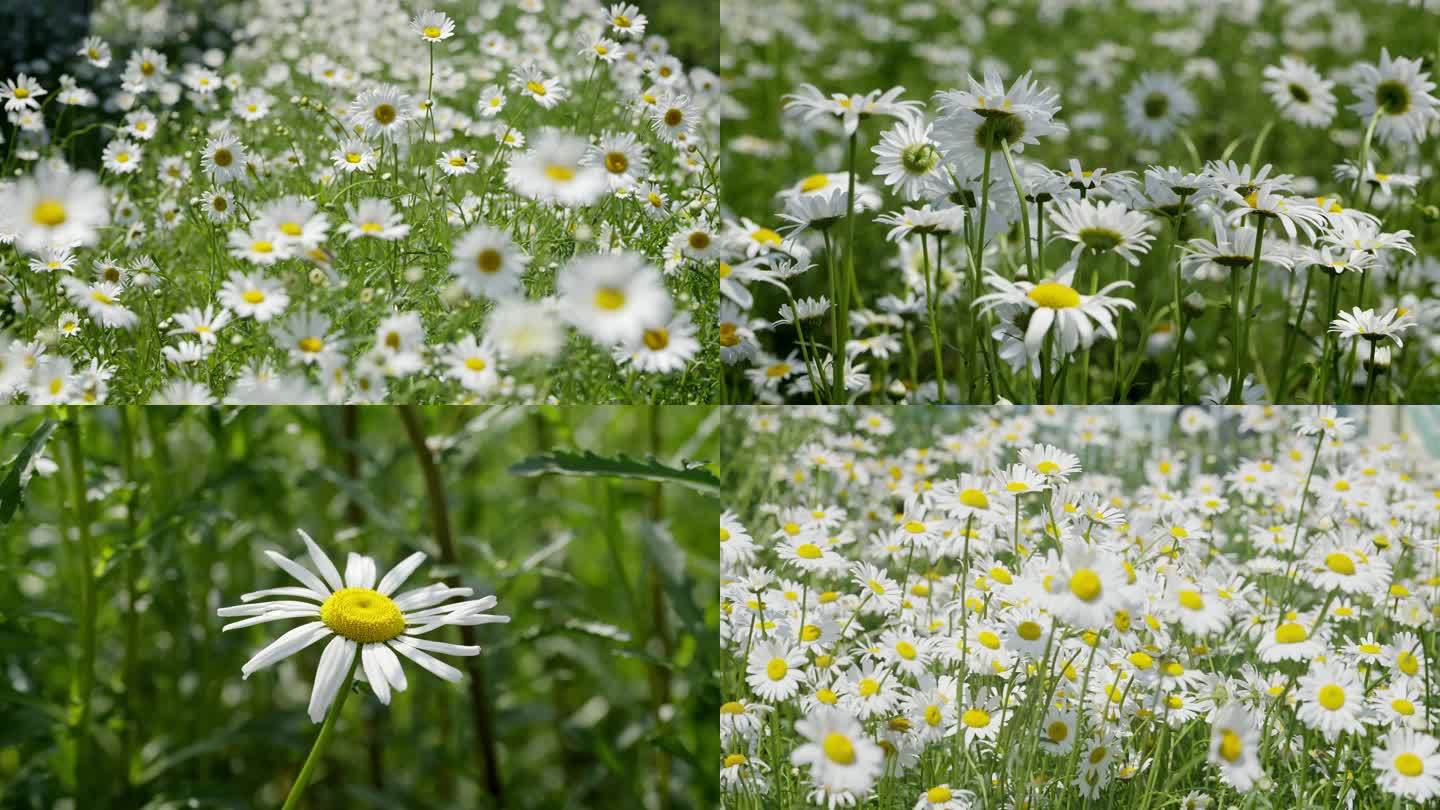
(359, 202)
(1138, 607)
(1122, 201)
(387, 607)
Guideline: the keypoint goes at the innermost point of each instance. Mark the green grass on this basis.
(122, 691)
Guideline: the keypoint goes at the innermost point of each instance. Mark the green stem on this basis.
(837, 392)
(85, 677)
(318, 749)
(1020, 195)
(933, 306)
(1242, 323)
(1290, 339)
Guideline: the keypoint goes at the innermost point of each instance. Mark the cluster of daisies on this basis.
(925, 246)
(1169, 607)
(352, 208)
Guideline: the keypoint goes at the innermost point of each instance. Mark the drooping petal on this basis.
(369, 659)
(429, 596)
(263, 607)
(270, 617)
(1040, 321)
(397, 575)
(359, 571)
(334, 663)
(299, 593)
(443, 648)
(322, 562)
(390, 666)
(285, 646)
(298, 571)
(424, 659)
(484, 603)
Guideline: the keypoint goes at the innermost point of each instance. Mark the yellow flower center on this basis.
(937, 795)
(1192, 600)
(48, 212)
(560, 174)
(431, 31)
(808, 551)
(262, 246)
(1230, 745)
(1332, 696)
(809, 632)
(385, 114)
(253, 296)
(838, 748)
(536, 87)
(1340, 563)
(1409, 664)
(475, 363)
(1085, 584)
(311, 345)
(1047, 467)
(1057, 731)
(101, 297)
(291, 228)
(1409, 764)
(371, 227)
(732, 707)
(21, 92)
(1402, 706)
(1290, 633)
(734, 759)
(989, 639)
(1054, 295)
(352, 157)
(976, 718)
(906, 650)
(363, 615)
(1029, 630)
(616, 162)
(609, 298)
(776, 669)
(657, 339)
(933, 715)
(765, 236)
(975, 499)
(827, 696)
(915, 527)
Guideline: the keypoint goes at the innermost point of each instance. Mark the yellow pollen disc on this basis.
(976, 718)
(1179, 532)
(1174, 702)
(431, 31)
(838, 748)
(362, 615)
(933, 715)
(1409, 664)
(560, 174)
(989, 639)
(1331, 696)
(222, 157)
(1230, 745)
(657, 339)
(906, 650)
(1371, 649)
(733, 707)
(1403, 706)
(975, 499)
(808, 551)
(291, 229)
(1047, 467)
(536, 87)
(101, 297)
(352, 157)
(1017, 486)
(459, 160)
(1141, 660)
(765, 236)
(385, 114)
(475, 364)
(253, 296)
(311, 345)
(1290, 633)
(1057, 731)
(371, 227)
(49, 213)
(937, 795)
(829, 596)
(1001, 575)
(827, 696)
(1174, 670)
(868, 687)
(776, 669)
(1054, 295)
(616, 162)
(609, 298)
(809, 632)
(21, 92)
(1029, 630)
(915, 527)
(1085, 584)
(1192, 600)
(1409, 764)
(1340, 563)
(733, 759)
(262, 247)
(814, 182)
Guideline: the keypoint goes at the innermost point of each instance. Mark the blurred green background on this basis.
(692, 27)
(599, 692)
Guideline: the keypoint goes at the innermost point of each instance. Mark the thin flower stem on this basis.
(1242, 322)
(1290, 338)
(837, 390)
(318, 749)
(85, 674)
(1370, 374)
(1365, 150)
(1020, 196)
(933, 306)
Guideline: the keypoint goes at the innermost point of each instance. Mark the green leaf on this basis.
(690, 474)
(669, 562)
(12, 488)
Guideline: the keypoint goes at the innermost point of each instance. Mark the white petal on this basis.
(264, 607)
(270, 617)
(299, 593)
(397, 575)
(470, 606)
(298, 571)
(370, 659)
(442, 647)
(429, 596)
(424, 659)
(1040, 321)
(390, 666)
(285, 646)
(334, 663)
(327, 569)
(360, 571)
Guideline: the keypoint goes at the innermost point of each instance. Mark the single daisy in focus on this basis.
(383, 109)
(1056, 305)
(252, 295)
(375, 218)
(1331, 700)
(307, 335)
(1399, 89)
(1300, 92)
(457, 163)
(487, 262)
(1408, 765)
(121, 156)
(664, 348)
(626, 20)
(1103, 227)
(472, 363)
(908, 159)
(612, 298)
(1366, 324)
(838, 751)
(1235, 747)
(224, 158)
(21, 93)
(354, 155)
(366, 623)
(542, 89)
(433, 26)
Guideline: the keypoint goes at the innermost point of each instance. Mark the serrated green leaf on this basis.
(691, 474)
(12, 488)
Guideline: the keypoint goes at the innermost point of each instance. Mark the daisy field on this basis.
(357, 201)
(1080, 201)
(1118, 607)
